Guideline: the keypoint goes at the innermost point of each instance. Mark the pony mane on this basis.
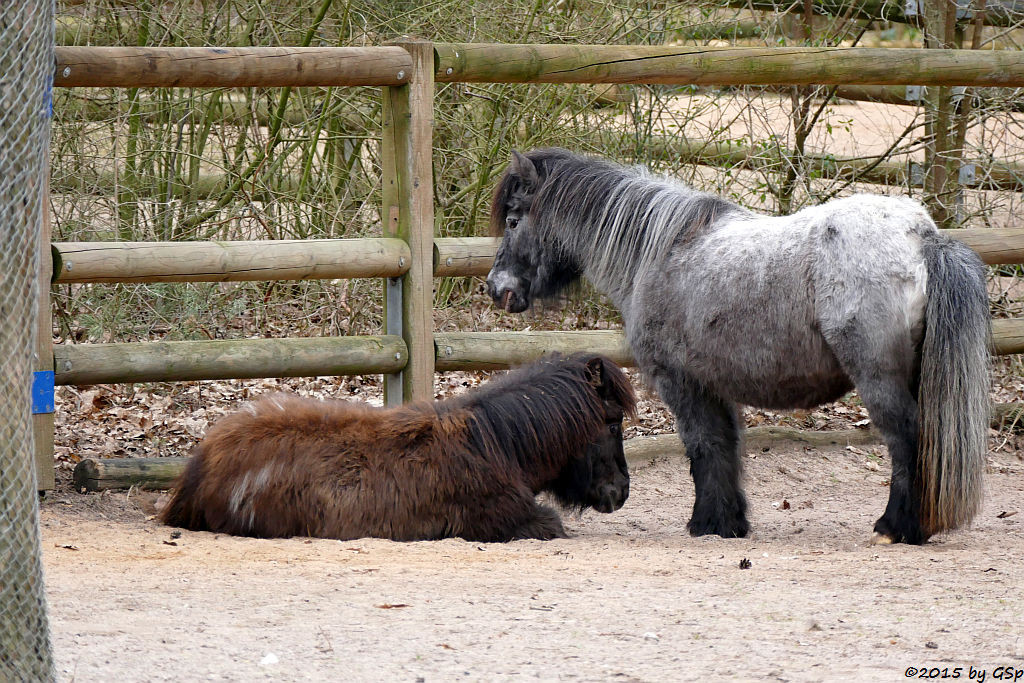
(624, 219)
(542, 411)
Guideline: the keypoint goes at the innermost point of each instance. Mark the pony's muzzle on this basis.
(610, 498)
(504, 290)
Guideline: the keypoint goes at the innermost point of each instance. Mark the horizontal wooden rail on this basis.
(102, 474)
(556, 63)
(990, 175)
(230, 67)
(997, 12)
(227, 359)
(500, 350)
(463, 255)
(343, 258)
(1003, 99)
(994, 246)
(1007, 336)
(228, 261)
(121, 473)
(231, 108)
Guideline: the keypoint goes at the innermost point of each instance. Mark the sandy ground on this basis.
(629, 597)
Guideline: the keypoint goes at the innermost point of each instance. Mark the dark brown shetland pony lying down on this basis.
(468, 467)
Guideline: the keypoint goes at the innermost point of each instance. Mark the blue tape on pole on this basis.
(48, 100)
(42, 392)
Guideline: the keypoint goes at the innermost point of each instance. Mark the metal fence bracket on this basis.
(968, 174)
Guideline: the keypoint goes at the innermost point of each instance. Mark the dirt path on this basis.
(630, 597)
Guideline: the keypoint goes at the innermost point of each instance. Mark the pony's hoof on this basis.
(881, 539)
(737, 529)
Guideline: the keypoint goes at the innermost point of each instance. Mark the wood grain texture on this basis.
(1008, 336)
(94, 474)
(407, 189)
(991, 175)
(43, 423)
(642, 450)
(997, 12)
(554, 63)
(230, 261)
(80, 364)
(160, 473)
(994, 246)
(233, 67)
(463, 255)
(500, 350)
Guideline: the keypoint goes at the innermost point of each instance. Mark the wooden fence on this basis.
(407, 255)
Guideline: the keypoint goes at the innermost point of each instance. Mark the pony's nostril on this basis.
(612, 498)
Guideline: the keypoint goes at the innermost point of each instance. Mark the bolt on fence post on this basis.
(408, 213)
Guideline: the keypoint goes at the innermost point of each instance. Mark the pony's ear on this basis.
(524, 168)
(596, 372)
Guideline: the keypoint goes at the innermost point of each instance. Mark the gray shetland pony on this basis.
(723, 306)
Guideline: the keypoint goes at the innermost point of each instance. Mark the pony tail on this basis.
(182, 511)
(953, 395)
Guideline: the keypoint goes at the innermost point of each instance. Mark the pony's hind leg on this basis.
(893, 411)
(883, 372)
(710, 429)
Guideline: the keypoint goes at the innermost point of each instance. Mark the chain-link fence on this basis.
(26, 63)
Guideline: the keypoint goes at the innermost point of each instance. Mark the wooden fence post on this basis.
(42, 421)
(942, 155)
(408, 213)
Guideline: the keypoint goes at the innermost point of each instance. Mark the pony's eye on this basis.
(511, 222)
(614, 429)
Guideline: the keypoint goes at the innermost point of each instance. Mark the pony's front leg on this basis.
(509, 514)
(545, 524)
(710, 429)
